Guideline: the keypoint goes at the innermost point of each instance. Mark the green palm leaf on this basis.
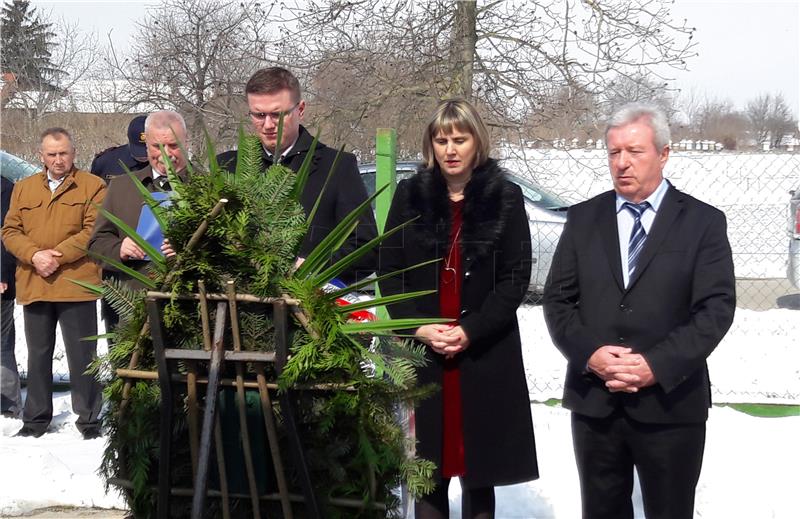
(368, 281)
(392, 324)
(135, 274)
(155, 255)
(318, 257)
(154, 205)
(345, 262)
(382, 301)
(305, 170)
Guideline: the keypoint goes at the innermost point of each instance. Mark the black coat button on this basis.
(464, 312)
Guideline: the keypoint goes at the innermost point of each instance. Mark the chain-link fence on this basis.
(751, 188)
(753, 191)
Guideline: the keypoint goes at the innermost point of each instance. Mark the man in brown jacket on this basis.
(47, 228)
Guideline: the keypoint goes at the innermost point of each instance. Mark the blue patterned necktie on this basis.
(638, 235)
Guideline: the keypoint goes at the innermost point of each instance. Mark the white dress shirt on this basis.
(625, 222)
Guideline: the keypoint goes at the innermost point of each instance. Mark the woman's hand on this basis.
(444, 339)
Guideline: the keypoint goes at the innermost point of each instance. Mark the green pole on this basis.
(385, 173)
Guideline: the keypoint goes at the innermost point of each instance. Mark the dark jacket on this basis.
(344, 192)
(8, 262)
(676, 309)
(495, 243)
(109, 163)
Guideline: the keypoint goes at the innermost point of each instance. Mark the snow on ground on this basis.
(755, 362)
(750, 469)
(58, 469)
(743, 367)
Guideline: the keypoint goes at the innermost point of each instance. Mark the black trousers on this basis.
(77, 320)
(667, 457)
(9, 377)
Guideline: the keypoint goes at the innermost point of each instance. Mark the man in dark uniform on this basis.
(108, 163)
(275, 92)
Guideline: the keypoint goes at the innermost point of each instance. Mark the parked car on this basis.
(547, 214)
(793, 272)
(15, 168)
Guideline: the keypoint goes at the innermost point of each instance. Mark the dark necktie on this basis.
(162, 182)
(638, 236)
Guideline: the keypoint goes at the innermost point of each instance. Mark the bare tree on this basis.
(509, 57)
(193, 56)
(770, 118)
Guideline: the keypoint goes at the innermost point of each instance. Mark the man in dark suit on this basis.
(275, 91)
(165, 128)
(109, 163)
(640, 292)
(9, 376)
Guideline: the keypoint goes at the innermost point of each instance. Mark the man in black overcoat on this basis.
(111, 162)
(275, 91)
(640, 292)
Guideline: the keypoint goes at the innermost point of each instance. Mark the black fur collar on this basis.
(486, 208)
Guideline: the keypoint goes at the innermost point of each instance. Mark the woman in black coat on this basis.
(478, 427)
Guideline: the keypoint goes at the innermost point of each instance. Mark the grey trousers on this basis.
(77, 320)
(9, 376)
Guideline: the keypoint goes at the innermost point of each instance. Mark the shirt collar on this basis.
(286, 151)
(655, 198)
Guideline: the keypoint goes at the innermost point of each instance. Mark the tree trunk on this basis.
(462, 51)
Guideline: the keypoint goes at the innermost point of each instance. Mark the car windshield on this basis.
(14, 168)
(530, 191)
(539, 196)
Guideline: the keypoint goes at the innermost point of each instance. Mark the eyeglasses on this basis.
(273, 116)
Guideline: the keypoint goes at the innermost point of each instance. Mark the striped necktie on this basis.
(638, 235)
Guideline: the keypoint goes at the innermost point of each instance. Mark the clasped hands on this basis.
(45, 262)
(621, 369)
(444, 339)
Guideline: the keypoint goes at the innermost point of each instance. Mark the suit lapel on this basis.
(607, 220)
(671, 207)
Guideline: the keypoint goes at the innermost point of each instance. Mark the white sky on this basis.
(745, 47)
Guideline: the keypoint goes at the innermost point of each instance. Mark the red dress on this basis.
(450, 275)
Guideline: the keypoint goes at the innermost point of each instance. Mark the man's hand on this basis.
(130, 251)
(166, 249)
(45, 262)
(604, 360)
(3, 288)
(631, 375)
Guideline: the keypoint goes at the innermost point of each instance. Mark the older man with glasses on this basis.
(275, 92)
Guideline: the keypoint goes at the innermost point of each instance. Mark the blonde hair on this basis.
(456, 114)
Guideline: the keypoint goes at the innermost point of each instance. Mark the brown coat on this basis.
(38, 219)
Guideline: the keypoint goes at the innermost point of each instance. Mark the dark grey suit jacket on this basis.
(676, 309)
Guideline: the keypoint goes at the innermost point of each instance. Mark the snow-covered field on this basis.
(749, 472)
(757, 362)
